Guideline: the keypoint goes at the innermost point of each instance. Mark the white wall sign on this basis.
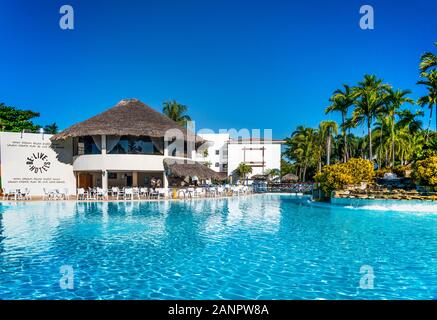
(31, 160)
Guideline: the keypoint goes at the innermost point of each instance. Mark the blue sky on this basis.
(236, 64)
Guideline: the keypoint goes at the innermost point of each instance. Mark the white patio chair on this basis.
(5, 193)
(144, 192)
(136, 193)
(114, 192)
(182, 192)
(162, 192)
(80, 194)
(128, 193)
(220, 191)
(191, 192)
(198, 192)
(91, 194)
(65, 194)
(48, 194)
(155, 193)
(26, 194)
(100, 193)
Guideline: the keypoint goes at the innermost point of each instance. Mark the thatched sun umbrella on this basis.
(290, 177)
(190, 169)
(260, 177)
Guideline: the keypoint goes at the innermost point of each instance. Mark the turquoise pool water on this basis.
(256, 247)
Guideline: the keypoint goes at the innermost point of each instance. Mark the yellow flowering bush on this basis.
(361, 170)
(425, 172)
(337, 176)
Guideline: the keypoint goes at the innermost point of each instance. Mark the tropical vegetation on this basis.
(18, 120)
(425, 172)
(243, 170)
(395, 138)
(337, 176)
(176, 111)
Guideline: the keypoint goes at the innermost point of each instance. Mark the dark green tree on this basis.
(51, 128)
(17, 120)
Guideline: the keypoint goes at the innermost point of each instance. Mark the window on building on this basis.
(131, 145)
(217, 164)
(86, 145)
(217, 152)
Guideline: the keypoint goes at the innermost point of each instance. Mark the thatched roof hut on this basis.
(191, 169)
(129, 117)
(290, 177)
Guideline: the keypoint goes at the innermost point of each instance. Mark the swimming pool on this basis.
(254, 247)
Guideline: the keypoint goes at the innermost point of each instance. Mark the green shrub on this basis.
(337, 176)
(381, 172)
(401, 171)
(425, 172)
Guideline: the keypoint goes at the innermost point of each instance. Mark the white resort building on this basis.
(130, 144)
(224, 154)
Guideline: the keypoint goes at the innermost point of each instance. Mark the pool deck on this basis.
(114, 199)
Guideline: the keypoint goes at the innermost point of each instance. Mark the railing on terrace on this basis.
(298, 187)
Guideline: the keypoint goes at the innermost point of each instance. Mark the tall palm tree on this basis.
(341, 102)
(381, 135)
(176, 111)
(395, 99)
(327, 130)
(369, 98)
(301, 148)
(430, 100)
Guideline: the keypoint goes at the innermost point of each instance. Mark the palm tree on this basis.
(395, 99)
(407, 119)
(273, 173)
(243, 169)
(430, 81)
(176, 111)
(341, 102)
(381, 135)
(51, 128)
(428, 60)
(327, 130)
(301, 149)
(369, 98)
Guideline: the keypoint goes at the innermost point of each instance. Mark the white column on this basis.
(164, 180)
(104, 171)
(105, 179)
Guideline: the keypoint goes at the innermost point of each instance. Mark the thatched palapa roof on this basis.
(184, 169)
(129, 117)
